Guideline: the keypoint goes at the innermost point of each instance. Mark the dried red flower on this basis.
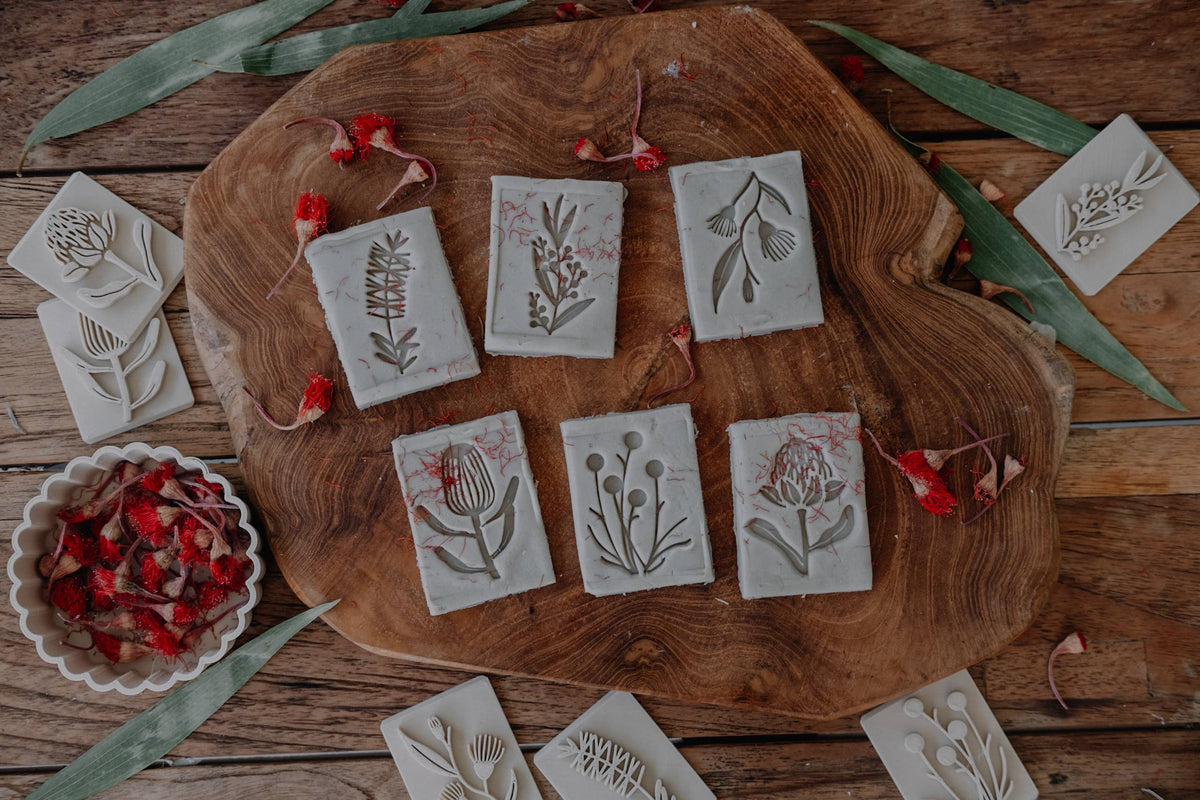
(117, 650)
(341, 149)
(851, 70)
(414, 174)
(213, 594)
(565, 11)
(151, 521)
(646, 157)
(989, 289)
(84, 548)
(928, 487)
(70, 596)
(229, 572)
(309, 220)
(152, 575)
(681, 337)
(375, 130)
(184, 613)
(932, 162)
(155, 479)
(317, 399)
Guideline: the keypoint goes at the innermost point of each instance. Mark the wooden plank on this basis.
(1128, 580)
(1098, 766)
(1132, 461)
(1033, 48)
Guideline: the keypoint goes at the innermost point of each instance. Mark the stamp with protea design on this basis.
(552, 277)
(799, 506)
(636, 497)
(102, 256)
(391, 307)
(746, 240)
(458, 745)
(616, 750)
(473, 509)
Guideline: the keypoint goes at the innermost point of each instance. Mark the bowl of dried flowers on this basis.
(134, 568)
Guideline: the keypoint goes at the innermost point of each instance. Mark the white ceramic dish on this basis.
(39, 621)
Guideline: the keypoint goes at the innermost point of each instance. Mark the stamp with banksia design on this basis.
(473, 509)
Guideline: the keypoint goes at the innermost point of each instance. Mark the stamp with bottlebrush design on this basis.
(473, 510)
(616, 750)
(391, 307)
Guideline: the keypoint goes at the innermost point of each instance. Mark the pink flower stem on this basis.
(425, 161)
(288, 271)
(266, 414)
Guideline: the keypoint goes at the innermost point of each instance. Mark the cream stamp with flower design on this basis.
(1101, 210)
(473, 509)
(616, 750)
(458, 745)
(391, 307)
(799, 505)
(636, 498)
(942, 742)
(746, 240)
(102, 256)
(552, 277)
(114, 384)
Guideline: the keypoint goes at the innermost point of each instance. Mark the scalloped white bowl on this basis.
(35, 537)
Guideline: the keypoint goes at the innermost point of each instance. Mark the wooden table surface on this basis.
(1128, 494)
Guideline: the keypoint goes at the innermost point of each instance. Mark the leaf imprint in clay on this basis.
(391, 307)
(746, 241)
(472, 505)
(458, 746)
(635, 492)
(552, 276)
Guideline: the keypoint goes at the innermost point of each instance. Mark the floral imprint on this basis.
(775, 243)
(80, 240)
(388, 268)
(801, 480)
(1102, 206)
(962, 750)
(484, 751)
(610, 765)
(468, 490)
(615, 520)
(102, 345)
(557, 271)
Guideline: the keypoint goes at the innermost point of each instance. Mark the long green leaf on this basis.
(167, 66)
(1007, 111)
(308, 50)
(1002, 255)
(151, 734)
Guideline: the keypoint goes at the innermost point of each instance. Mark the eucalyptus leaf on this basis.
(167, 66)
(1002, 255)
(151, 734)
(1000, 108)
(309, 50)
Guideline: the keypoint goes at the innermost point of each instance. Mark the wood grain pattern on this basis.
(1096, 765)
(883, 227)
(1059, 53)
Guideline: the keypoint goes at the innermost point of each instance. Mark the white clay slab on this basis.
(621, 468)
(615, 750)
(473, 508)
(1106, 205)
(458, 746)
(101, 255)
(746, 239)
(799, 505)
(552, 275)
(391, 307)
(943, 743)
(114, 385)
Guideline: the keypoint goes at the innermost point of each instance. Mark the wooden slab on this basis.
(907, 352)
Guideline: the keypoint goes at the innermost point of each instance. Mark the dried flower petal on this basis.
(586, 150)
(229, 572)
(1074, 643)
(988, 290)
(70, 596)
(851, 70)
(681, 337)
(1012, 468)
(990, 191)
(317, 399)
